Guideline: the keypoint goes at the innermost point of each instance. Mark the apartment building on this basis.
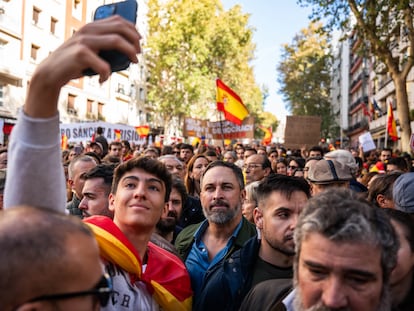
(30, 30)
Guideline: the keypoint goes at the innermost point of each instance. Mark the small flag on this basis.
(267, 139)
(117, 134)
(64, 142)
(377, 108)
(230, 103)
(391, 125)
(142, 130)
(196, 141)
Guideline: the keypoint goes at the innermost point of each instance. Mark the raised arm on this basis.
(35, 173)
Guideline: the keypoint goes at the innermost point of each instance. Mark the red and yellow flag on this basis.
(391, 125)
(267, 139)
(117, 134)
(230, 103)
(165, 276)
(64, 142)
(142, 130)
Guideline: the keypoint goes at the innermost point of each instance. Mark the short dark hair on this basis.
(382, 184)
(105, 171)
(186, 146)
(99, 130)
(283, 184)
(399, 162)
(178, 185)
(148, 165)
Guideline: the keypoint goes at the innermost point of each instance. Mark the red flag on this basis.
(230, 103)
(117, 134)
(142, 130)
(391, 125)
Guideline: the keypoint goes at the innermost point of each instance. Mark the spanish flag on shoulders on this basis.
(165, 276)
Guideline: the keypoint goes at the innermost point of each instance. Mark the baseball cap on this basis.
(95, 143)
(403, 193)
(329, 171)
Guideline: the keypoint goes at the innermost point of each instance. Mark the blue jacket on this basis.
(228, 283)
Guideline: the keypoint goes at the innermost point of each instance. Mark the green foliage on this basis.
(386, 28)
(304, 76)
(189, 45)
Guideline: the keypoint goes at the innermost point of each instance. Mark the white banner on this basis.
(83, 132)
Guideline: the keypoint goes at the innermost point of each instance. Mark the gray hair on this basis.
(342, 216)
(81, 158)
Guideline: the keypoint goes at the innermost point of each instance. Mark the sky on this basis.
(276, 22)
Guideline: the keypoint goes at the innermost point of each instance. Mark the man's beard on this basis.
(167, 224)
(223, 216)
(279, 246)
(384, 303)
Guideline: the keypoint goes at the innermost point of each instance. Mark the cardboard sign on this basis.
(302, 131)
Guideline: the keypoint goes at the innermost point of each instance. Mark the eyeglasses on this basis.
(252, 166)
(102, 290)
(292, 167)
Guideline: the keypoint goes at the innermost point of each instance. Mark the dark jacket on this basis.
(185, 239)
(228, 283)
(73, 206)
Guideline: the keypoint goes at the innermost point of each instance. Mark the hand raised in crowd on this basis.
(78, 53)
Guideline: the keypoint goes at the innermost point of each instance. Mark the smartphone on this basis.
(126, 9)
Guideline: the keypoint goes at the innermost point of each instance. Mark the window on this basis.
(35, 16)
(71, 102)
(100, 111)
(89, 105)
(1, 95)
(120, 88)
(33, 52)
(141, 94)
(53, 22)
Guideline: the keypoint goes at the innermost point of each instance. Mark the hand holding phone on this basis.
(126, 9)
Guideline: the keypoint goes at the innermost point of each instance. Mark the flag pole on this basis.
(221, 130)
(386, 130)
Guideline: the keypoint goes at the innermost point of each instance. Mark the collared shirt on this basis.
(288, 301)
(198, 263)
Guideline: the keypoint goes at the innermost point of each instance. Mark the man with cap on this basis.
(328, 174)
(97, 148)
(403, 193)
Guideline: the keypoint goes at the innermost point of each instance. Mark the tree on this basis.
(304, 76)
(380, 23)
(189, 45)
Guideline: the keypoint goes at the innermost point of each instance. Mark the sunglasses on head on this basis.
(102, 290)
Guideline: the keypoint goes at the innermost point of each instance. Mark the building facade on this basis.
(31, 29)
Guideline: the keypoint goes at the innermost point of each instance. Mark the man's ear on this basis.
(380, 200)
(258, 218)
(70, 183)
(165, 210)
(111, 199)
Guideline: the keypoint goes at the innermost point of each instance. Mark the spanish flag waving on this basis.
(230, 103)
(267, 139)
(391, 125)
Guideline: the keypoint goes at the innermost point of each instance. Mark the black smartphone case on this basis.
(128, 10)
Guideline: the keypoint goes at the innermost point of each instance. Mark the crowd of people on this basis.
(116, 227)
